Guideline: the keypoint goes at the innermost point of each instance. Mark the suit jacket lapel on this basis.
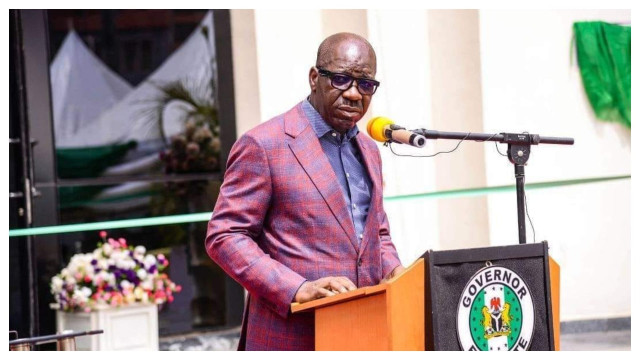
(373, 169)
(307, 149)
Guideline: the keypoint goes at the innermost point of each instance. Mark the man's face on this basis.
(343, 109)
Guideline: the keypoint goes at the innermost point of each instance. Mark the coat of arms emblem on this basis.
(495, 312)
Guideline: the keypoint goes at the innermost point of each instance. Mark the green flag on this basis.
(604, 58)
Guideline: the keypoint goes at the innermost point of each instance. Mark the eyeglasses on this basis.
(344, 82)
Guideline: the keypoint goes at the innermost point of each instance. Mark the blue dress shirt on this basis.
(347, 163)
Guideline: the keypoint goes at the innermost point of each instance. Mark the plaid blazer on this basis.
(281, 219)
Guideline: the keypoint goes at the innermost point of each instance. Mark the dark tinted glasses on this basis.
(343, 82)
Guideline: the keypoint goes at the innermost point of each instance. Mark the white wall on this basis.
(403, 70)
(287, 43)
(529, 84)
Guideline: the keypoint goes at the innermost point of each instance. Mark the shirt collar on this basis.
(320, 127)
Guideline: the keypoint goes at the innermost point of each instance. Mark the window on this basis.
(137, 135)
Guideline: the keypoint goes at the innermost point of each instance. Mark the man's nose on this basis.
(352, 92)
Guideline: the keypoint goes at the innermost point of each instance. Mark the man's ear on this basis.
(313, 78)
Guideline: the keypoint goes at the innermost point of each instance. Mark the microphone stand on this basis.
(518, 153)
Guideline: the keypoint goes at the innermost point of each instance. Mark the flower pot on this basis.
(131, 327)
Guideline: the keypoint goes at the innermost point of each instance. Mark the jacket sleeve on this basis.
(236, 224)
(388, 253)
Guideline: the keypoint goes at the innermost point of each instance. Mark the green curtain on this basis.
(604, 58)
(89, 162)
(71, 196)
(86, 162)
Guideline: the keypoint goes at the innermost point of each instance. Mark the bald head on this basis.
(343, 59)
(342, 43)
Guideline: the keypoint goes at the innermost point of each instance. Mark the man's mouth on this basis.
(349, 112)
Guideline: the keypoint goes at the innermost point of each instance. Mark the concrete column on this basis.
(353, 21)
(456, 105)
(245, 70)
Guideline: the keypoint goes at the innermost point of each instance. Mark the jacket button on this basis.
(359, 262)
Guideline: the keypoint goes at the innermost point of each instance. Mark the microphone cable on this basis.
(389, 143)
(526, 208)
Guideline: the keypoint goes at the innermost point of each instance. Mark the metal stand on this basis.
(518, 153)
(522, 231)
(64, 342)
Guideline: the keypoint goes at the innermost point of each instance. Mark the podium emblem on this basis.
(495, 312)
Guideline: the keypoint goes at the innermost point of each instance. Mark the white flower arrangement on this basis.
(114, 274)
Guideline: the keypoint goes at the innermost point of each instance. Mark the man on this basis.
(299, 215)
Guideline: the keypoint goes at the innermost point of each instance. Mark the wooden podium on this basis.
(392, 316)
(388, 316)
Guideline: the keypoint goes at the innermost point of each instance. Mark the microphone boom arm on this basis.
(519, 149)
(508, 138)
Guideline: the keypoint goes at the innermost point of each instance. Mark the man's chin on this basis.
(346, 124)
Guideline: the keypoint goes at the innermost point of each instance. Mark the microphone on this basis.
(383, 129)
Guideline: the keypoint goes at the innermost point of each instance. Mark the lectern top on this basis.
(338, 298)
(357, 293)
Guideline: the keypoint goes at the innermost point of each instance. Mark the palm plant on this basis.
(197, 148)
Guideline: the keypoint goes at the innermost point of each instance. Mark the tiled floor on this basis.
(217, 341)
(228, 340)
(597, 341)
